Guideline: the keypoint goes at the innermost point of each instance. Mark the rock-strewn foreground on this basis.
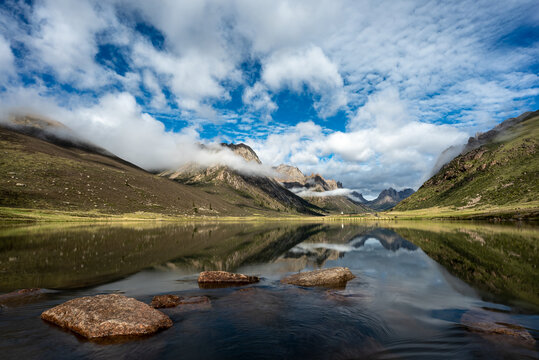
(106, 316)
(337, 276)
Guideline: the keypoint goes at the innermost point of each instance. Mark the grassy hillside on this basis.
(338, 204)
(38, 174)
(502, 172)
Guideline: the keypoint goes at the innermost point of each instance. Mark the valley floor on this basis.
(527, 212)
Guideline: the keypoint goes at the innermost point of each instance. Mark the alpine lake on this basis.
(419, 286)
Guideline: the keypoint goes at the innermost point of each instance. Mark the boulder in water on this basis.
(220, 278)
(332, 277)
(105, 316)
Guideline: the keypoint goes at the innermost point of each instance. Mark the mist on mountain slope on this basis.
(117, 125)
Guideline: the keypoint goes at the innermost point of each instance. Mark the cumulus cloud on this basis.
(384, 147)
(63, 38)
(259, 100)
(310, 67)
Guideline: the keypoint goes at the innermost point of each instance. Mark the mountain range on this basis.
(46, 166)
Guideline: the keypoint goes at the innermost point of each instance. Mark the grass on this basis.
(501, 173)
(8, 214)
(529, 211)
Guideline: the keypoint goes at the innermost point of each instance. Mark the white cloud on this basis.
(159, 100)
(304, 192)
(310, 67)
(6, 60)
(374, 154)
(258, 99)
(63, 38)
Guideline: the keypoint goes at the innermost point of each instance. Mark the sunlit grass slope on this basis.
(503, 172)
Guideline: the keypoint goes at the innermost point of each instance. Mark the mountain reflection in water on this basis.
(407, 300)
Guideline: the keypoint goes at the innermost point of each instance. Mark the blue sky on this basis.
(366, 92)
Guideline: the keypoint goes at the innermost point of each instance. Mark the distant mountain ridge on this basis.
(306, 186)
(386, 200)
(318, 190)
(292, 178)
(497, 168)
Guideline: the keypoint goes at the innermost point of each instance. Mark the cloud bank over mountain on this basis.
(366, 92)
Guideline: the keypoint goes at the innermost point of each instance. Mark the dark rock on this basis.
(220, 278)
(333, 277)
(194, 303)
(165, 301)
(21, 296)
(106, 316)
(20, 293)
(182, 303)
(495, 327)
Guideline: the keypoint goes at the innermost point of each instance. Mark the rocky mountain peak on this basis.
(388, 192)
(289, 173)
(358, 197)
(244, 151)
(291, 177)
(388, 198)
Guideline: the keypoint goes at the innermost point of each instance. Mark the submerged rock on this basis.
(495, 326)
(21, 296)
(20, 293)
(165, 301)
(183, 303)
(224, 278)
(107, 315)
(332, 277)
(344, 296)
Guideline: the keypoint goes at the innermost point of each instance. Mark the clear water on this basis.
(402, 304)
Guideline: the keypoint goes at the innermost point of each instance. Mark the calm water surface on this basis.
(414, 282)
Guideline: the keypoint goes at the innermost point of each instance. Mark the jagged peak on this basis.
(289, 173)
(292, 177)
(244, 151)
